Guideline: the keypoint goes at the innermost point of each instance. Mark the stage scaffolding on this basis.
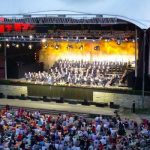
(60, 19)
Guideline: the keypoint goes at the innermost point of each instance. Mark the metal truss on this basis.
(62, 20)
(45, 40)
(75, 34)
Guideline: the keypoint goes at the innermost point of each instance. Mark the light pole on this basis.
(135, 53)
(143, 73)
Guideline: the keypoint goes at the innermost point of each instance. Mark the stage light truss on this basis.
(45, 40)
(61, 20)
(21, 40)
(69, 35)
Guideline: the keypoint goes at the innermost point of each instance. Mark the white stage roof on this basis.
(135, 11)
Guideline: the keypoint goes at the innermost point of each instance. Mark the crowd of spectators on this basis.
(95, 73)
(24, 130)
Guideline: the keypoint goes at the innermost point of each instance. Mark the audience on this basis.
(24, 130)
(81, 73)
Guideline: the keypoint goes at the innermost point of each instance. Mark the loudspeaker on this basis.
(2, 95)
(33, 98)
(22, 97)
(45, 99)
(101, 104)
(60, 100)
(11, 97)
(115, 106)
(111, 104)
(85, 102)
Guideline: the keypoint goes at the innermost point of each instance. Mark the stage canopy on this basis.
(135, 11)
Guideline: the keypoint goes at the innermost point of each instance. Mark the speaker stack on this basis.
(2, 95)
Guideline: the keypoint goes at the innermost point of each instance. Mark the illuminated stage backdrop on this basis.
(86, 50)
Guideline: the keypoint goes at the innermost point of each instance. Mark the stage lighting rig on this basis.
(43, 40)
(23, 44)
(70, 46)
(31, 37)
(7, 45)
(97, 48)
(30, 46)
(46, 45)
(119, 42)
(44, 19)
(57, 46)
(126, 39)
(17, 45)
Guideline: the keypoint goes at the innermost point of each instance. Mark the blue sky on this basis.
(26, 6)
(135, 9)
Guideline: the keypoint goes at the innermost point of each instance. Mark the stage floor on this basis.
(22, 80)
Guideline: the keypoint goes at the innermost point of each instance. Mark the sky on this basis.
(135, 9)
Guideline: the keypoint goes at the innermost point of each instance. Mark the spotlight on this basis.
(133, 40)
(13, 44)
(118, 42)
(17, 45)
(30, 46)
(97, 48)
(85, 38)
(45, 36)
(70, 46)
(23, 44)
(43, 40)
(31, 37)
(22, 37)
(0, 45)
(46, 46)
(56, 46)
(7, 45)
(126, 39)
